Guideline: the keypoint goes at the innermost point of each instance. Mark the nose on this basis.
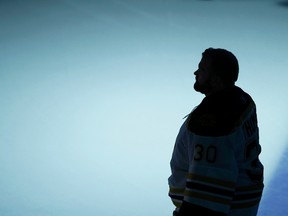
(196, 72)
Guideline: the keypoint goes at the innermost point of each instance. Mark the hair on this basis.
(224, 64)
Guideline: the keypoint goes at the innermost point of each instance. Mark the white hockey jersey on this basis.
(215, 161)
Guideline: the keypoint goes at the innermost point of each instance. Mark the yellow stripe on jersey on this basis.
(176, 191)
(177, 195)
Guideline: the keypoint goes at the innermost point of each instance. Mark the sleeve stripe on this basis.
(177, 203)
(207, 197)
(176, 190)
(176, 195)
(247, 196)
(210, 189)
(245, 204)
(256, 187)
(248, 193)
(214, 181)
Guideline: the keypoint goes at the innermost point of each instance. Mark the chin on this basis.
(201, 88)
(197, 87)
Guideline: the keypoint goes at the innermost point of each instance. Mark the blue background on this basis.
(93, 93)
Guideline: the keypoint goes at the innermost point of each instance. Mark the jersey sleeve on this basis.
(179, 168)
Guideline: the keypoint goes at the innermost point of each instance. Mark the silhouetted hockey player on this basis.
(215, 166)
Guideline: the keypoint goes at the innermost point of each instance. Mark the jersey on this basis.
(215, 162)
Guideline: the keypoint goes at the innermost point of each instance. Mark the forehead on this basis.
(205, 62)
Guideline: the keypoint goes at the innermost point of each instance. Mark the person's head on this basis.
(218, 69)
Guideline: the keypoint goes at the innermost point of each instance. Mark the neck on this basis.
(217, 89)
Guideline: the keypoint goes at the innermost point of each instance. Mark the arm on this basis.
(179, 167)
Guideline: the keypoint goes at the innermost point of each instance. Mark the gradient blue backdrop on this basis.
(92, 94)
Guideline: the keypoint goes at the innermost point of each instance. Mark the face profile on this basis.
(203, 77)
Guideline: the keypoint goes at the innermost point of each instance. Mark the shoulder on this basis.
(218, 114)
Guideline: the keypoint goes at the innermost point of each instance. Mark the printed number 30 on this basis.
(209, 154)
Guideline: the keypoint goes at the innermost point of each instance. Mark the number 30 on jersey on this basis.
(207, 153)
